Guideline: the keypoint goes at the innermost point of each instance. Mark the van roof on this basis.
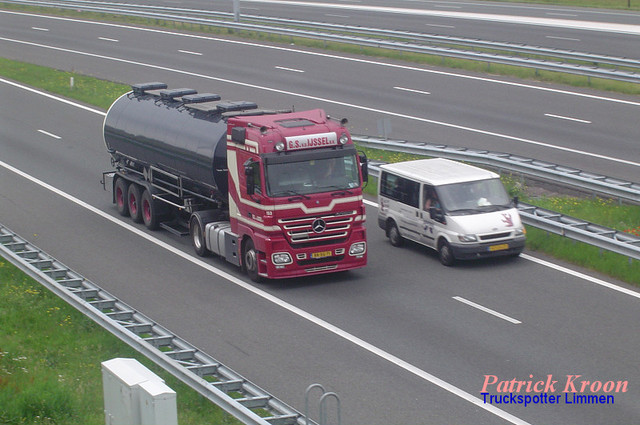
(438, 171)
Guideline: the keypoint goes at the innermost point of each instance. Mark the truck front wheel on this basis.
(196, 232)
(250, 261)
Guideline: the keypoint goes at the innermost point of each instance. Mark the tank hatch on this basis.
(200, 98)
(172, 94)
(142, 88)
(235, 106)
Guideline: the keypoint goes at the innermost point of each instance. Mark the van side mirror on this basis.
(437, 214)
(515, 201)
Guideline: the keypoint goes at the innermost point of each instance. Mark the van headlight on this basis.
(467, 238)
(358, 248)
(280, 258)
(521, 232)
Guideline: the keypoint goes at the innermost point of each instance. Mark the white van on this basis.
(461, 211)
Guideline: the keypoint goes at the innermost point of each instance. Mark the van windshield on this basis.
(474, 197)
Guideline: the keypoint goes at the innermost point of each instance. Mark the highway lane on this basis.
(584, 129)
(568, 325)
(562, 27)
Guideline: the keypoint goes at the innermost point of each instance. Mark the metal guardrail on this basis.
(580, 230)
(197, 369)
(570, 227)
(330, 33)
(541, 170)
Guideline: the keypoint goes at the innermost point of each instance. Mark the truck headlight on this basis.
(467, 238)
(358, 248)
(280, 258)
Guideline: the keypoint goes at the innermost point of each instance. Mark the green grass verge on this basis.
(434, 60)
(606, 4)
(50, 361)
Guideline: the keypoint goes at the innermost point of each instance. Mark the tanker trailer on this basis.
(278, 193)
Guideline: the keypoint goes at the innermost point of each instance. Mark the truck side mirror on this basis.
(238, 135)
(248, 173)
(364, 165)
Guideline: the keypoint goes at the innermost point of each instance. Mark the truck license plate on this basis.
(500, 247)
(321, 254)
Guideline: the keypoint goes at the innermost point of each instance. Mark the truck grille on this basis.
(318, 230)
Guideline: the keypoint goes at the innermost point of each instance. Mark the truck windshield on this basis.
(474, 197)
(305, 175)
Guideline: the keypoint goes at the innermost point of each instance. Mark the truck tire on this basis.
(250, 261)
(120, 190)
(149, 209)
(196, 231)
(394, 234)
(445, 254)
(133, 199)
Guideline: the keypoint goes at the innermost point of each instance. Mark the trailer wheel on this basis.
(149, 211)
(250, 261)
(394, 234)
(196, 231)
(133, 197)
(120, 191)
(445, 253)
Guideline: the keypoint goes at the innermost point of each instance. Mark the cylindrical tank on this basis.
(165, 134)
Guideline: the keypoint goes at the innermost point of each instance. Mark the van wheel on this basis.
(394, 234)
(445, 253)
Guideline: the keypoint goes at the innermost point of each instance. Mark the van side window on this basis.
(430, 197)
(400, 189)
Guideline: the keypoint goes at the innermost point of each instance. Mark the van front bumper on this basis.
(496, 249)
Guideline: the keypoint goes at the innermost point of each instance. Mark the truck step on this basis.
(177, 229)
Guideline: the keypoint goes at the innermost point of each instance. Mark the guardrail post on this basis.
(323, 407)
(306, 398)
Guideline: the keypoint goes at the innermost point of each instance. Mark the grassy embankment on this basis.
(605, 4)
(50, 356)
(433, 60)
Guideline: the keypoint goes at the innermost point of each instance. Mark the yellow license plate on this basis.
(321, 254)
(499, 247)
